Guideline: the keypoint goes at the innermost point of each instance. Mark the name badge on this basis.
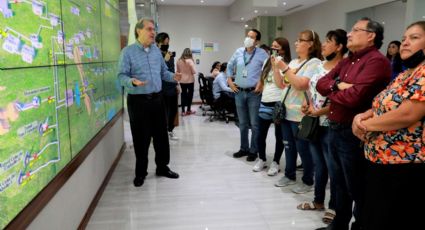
(244, 73)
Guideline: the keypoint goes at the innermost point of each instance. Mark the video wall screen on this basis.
(58, 87)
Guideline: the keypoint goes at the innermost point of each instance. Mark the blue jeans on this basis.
(263, 129)
(324, 165)
(292, 146)
(247, 105)
(349, 176)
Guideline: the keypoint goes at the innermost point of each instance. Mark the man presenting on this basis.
(141, 69)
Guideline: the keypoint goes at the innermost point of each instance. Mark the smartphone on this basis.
(173, 54)
(274, 53)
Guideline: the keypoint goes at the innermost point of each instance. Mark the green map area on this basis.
(58, 87)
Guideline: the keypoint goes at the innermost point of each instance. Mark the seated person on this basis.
(220, 83)
(215, 69)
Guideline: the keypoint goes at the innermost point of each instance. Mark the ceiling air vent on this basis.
(293, 8)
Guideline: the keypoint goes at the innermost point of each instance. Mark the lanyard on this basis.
(250, 58)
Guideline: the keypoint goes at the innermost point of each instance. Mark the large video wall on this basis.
(58, 88)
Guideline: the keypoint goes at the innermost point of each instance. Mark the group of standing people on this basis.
(370, 155)
(371, 136)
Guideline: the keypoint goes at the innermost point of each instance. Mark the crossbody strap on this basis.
(289, 87)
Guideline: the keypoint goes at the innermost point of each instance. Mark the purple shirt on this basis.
(368, 70)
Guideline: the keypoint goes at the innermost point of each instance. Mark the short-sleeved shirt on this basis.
(318, 101)
(246, 67)
(404, 145)
(295, 97)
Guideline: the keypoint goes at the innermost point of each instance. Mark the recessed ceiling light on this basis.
(423, 16)
(255, 11)
(162, 0)
(202, 1)
(383, 23)
(142, 5)
(242, 19)
(246, 25)
(284, 3)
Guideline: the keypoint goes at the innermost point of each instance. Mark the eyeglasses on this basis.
(299, 40)
(355, 30)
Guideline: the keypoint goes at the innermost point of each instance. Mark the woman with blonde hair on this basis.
(295, 81)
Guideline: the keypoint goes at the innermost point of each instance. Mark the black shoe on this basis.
(251, 157)
(138, 181)
(322, 228)
(167, 173)
(300, 167)
(240, 154)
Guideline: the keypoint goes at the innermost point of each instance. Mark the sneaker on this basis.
(284, 181)
(251, 157)
(172, 136)
(240, 154)
(259, 166)
(183, 114)
(274, 169)
(302, 188)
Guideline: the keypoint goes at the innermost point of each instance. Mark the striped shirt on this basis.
(144, 65)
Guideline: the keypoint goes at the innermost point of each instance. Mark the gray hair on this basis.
(141, 24)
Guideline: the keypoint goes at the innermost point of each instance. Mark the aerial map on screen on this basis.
(58, 89)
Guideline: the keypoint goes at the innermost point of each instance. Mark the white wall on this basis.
(331, 15)
(69, 205)
(211, 24)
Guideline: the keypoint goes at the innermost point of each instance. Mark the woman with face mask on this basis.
(333, 49)
(393, 134)
(271, 94)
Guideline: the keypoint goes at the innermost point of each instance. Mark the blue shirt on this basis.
(242, 62)
(220, 84)
(144, 64)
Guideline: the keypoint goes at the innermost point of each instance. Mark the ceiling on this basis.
(239, 10)
(244, 10)
(196, 2)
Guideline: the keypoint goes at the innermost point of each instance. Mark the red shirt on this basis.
(368, 70)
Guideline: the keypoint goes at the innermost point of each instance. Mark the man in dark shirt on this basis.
(350, 87)
(170, 90)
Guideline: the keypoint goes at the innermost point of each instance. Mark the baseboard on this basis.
(99, 193)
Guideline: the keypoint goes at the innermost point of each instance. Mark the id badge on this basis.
(244, 73)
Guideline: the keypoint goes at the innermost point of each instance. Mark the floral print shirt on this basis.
(404, 145)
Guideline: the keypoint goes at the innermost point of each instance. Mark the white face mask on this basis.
(249, 42)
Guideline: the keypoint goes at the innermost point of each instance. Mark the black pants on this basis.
(263, 126)
(349, 158)
(147, 121)
(171, 103)
(186, 95)
(392, 194)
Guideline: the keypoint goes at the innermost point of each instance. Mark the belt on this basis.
(147, 96)
(337, 125)
(246, 89)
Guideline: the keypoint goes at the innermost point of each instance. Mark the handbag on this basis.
(308, 129)
(279, 112)
(265, 112)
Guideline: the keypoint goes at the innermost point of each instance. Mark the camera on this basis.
(173, 54)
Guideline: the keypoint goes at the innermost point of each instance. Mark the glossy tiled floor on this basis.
(215, 191)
